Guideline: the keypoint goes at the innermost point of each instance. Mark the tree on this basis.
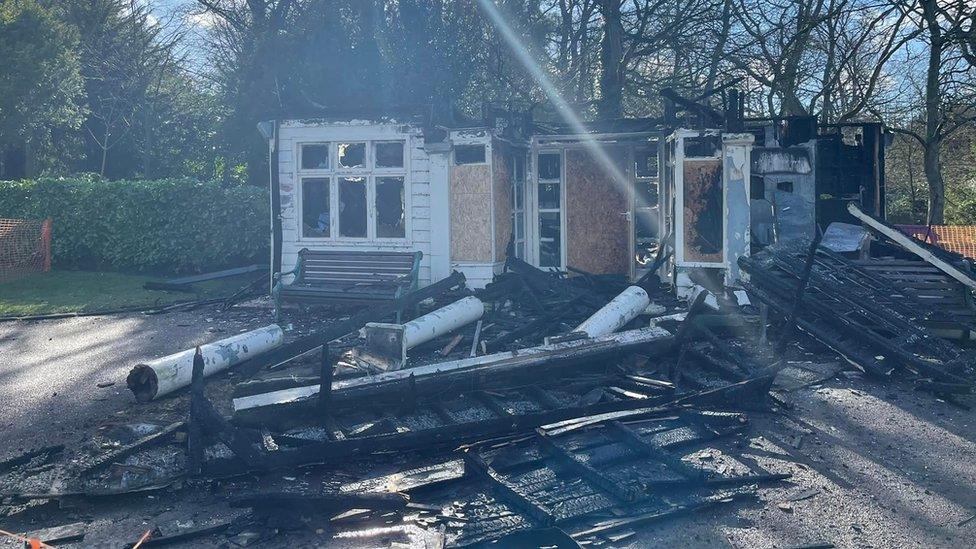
(945, 94)
(40, 86)
(125, 57)
(246, 50)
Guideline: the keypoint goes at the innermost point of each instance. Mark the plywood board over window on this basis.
(471, 235)
(703, 216)
(597, 225)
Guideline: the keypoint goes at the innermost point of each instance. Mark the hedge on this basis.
(165, 226)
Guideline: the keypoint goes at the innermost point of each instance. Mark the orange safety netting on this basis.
(25, 247)
(955, 238)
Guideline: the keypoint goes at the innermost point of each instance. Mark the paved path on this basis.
(50, 370)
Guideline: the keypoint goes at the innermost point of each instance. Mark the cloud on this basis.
(203, 20)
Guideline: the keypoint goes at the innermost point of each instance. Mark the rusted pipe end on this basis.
(143, 383)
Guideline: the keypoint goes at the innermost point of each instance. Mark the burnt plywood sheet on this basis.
(471, 201)
(702, 217)
(597, 239)
(502, 196)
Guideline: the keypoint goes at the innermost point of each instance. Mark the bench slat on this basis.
(357, 276)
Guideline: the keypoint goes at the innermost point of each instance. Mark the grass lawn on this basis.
(85, 291)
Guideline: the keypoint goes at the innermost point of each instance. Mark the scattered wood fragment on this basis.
(125, 451)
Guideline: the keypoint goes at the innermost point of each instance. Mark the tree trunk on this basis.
(611, 56)
(933, 175)
(933, 116)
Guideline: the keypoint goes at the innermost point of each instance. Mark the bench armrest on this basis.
(296, 271)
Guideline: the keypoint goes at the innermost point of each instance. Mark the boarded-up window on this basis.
(390, 221)
(469, 154)
(315, 207)
(389, 154)
(352, 155)
(703, 221)
(315, 156)
(352, 207)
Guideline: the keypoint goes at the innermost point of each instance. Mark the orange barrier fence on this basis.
(25, 247)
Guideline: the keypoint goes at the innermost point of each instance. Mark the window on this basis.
(518, 203)
(352, 155)
(315, 156)
(390, 218)
(389, 155)
(548, 196)
(352, 207)
(342, 197)
(469, 154)
(315, 207)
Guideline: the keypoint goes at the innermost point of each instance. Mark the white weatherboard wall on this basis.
(293, 133)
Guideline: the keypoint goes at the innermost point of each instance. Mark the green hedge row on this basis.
(163, 227)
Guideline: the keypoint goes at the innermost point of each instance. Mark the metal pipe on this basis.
(164, 375)
(387, 344)
(442, 321)
(614, 315)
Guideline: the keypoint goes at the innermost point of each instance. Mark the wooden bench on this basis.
(343, 277)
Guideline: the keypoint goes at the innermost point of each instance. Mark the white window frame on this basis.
(367, 171)
(536, 210)
(517, 201)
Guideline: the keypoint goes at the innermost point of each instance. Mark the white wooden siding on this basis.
(417, 181)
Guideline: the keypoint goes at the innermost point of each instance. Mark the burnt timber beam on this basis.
(801, 288)
(584, 470)
(322, 502)
(633, 441)
(640, 520)
(476, 464)
(496, 370)
(453, 434)
(125, 451)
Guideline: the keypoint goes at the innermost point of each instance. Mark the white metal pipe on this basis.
(614, 315)
(162, 376)
(442, 321)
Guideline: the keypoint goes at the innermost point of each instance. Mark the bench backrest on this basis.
(327, 267)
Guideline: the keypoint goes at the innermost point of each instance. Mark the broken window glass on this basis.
(390, 220)
(315, 156)
(549, 166)
(646, 162)
(315, 207)
(352, 207)
(550, 240)
(548, 196)
(389, 155)
(469, 154)
(647, 192)
(352, 155)
(703, 146)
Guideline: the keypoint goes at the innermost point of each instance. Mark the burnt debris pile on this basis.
(546, 408)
